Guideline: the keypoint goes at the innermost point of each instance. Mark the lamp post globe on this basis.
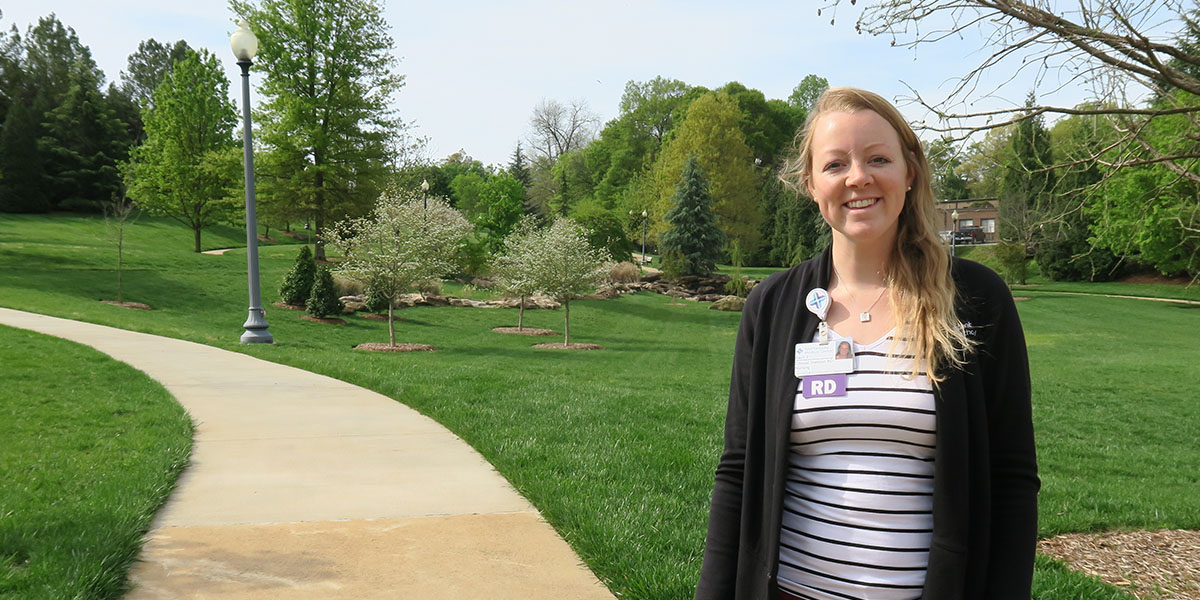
(245, 46)
(425, 194)
(954, 232)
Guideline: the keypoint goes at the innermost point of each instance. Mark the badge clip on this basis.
(818, 303)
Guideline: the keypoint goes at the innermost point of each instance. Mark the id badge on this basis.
(815, 358)
(823, 367)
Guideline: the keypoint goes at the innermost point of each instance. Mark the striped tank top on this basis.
(858, 502)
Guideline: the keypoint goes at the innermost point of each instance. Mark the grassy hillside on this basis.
(617, 447)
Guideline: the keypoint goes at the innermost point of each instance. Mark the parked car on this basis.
(970, 235)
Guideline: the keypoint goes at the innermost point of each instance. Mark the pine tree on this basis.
(518, 168)
(298, 282)
(692, 230)
(84, 141)
(323, 299)
(21, 165)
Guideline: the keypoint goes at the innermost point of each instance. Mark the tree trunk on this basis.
(319, 216)
(567, 322)
(196, 236)
(391, 325)
(521, 315)
(120, 261)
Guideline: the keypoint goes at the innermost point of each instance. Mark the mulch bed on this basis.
(377, 347)
(379, 317)
(325, 320)
(1148, 564)
(138, 305)
(562, 346)
(1146, 278)
(524, 331)
(288, 306)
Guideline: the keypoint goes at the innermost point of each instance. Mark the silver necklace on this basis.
(864, 316)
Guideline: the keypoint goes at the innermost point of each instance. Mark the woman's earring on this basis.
(908, 189)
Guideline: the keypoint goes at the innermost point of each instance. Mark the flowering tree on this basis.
(404, 240)
(564, 265)
(513, 270)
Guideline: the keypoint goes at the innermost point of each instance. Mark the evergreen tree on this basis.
(298, 282)
(36, 73)
(83, 143)
(149, 66)
(323, 299)
(21, 165)
(518, 168)
(1027, 186)
(692, 230)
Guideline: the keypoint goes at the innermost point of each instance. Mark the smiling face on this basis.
(859, 175)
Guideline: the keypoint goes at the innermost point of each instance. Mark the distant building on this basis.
(972, 212)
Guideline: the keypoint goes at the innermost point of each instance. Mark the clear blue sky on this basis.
(475, 70)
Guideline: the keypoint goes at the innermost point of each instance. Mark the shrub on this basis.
(1012, 261)
(428, 287)
(737, 284)
(673, 265)
(1074, 259)
(323, 300)
(346, 286)
(298, 282)
(624, 272)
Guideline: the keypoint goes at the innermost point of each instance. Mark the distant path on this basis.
(217, 252)
(303, 486)
(1176, 300)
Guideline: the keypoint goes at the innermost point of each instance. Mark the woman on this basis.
(843, 351)
(920, 480)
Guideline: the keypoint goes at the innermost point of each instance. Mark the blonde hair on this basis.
(922, 290)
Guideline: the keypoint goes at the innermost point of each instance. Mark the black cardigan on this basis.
(985, 470)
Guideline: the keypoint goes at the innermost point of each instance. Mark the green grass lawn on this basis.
(91, 449)
(617, 447)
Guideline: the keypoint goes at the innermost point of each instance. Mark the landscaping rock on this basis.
(353, 304)
(731, 303)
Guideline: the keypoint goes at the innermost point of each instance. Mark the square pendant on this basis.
(864, 317)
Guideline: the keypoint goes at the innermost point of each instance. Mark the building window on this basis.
(989, 225)
(966, 222)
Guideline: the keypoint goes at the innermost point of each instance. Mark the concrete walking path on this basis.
(303, 486)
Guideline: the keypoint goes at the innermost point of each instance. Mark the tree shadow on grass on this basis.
(662, 313)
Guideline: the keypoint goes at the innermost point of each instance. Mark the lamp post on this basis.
(425, 194)
(643, 235)
(245, 46)
(954, 232)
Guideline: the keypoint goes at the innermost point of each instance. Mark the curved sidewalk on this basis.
(303, 486)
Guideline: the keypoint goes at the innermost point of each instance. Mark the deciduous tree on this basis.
(712, 133)
(513, 267)
(565, 265)
(405, 240)
(187, 168)
(326, 116)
